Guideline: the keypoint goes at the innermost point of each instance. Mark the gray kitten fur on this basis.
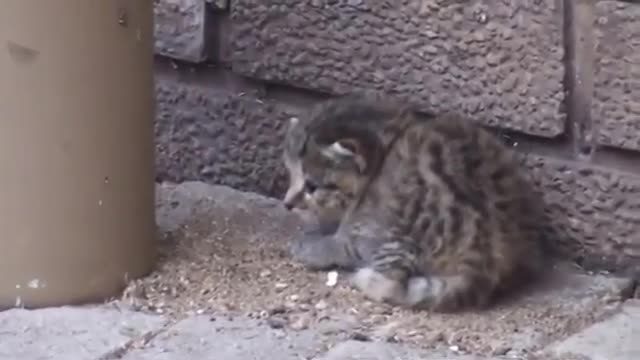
(428, 214)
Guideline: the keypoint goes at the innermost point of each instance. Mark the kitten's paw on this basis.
(378, 287)
(298, 249)
(312, 224)
(326, 228)
(317, 229)
(417, 290)
(422, 291)
(309, 252)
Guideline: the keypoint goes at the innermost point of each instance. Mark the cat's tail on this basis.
(449, 293)
(471, 290)
(435, 293)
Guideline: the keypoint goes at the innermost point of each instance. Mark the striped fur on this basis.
(428, 214)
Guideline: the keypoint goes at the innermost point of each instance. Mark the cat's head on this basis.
(330, 154)
(324, 179)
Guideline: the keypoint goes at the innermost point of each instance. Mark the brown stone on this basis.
(616, 103)
(500, 61)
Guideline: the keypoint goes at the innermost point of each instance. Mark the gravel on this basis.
(223, 253)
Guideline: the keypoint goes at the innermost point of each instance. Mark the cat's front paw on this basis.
(310, 252)
(319, 227)
(296, 248)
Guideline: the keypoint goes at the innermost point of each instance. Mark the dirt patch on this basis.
(223, 252)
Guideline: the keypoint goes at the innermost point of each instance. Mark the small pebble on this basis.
(276, 322)
(277, 310)
(321, 305)
(301, 322)
(290, 305)
(322, 315)
(387, 331)
(500, 351)
(358, 336)
(515, 354)
(281, 286)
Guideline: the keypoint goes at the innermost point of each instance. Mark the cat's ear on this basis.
(346, 149)
(293, 121)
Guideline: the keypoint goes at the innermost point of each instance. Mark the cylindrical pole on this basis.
(76, 149)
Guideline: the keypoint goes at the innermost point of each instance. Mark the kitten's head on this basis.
(329, 156)
(323, 178)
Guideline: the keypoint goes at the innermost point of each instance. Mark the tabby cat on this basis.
(429, 214)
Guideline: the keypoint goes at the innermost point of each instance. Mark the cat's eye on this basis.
(331, 186)
(310, 186)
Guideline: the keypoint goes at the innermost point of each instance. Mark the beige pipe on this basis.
(76, 149)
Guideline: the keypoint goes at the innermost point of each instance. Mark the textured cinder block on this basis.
(180, 29)
(219, 137)
(597, 210)
(499, 60)
(616, 103)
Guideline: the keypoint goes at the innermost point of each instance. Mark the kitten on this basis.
(429, 214)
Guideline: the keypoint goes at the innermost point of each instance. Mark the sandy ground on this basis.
(223, 253)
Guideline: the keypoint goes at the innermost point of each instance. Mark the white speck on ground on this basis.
(332, 278)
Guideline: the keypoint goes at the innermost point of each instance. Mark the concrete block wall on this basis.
(559, 78)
